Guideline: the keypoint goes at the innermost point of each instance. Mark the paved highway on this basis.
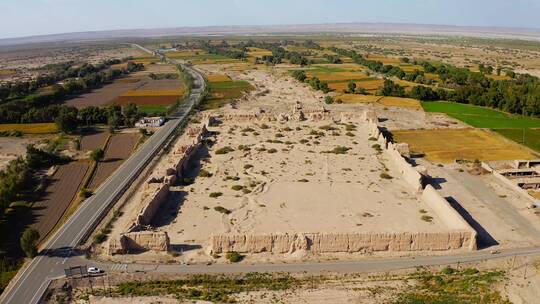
(33, 280)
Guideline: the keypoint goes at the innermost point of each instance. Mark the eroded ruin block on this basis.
(139, 241)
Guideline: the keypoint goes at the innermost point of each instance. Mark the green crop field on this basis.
(481, 117)
(229, 85)
(527, 137)
(153, 109)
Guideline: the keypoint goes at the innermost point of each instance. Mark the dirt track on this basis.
(63, 187)
(118, 150)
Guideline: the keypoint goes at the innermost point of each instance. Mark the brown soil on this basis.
(93, 141)
(63, 187)
(118, 150)
(147, 100)
(103, 95)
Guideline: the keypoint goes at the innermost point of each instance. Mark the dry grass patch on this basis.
(31, 128)
(218, 78)
(400, 102)
(136, 93)
(358, 98)
(448, 145)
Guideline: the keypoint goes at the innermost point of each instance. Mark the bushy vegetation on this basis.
(234, 257)
(19, 103)
(214, 288)
(453, 286)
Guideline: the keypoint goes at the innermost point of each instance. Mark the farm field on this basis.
(119, 149)
(222, 92)
(136, 88)
(527, 137)
(448, 145)
(481, 117)
(400, 102)
(358, 98)
(65, 184)
(370, 84)
(31, 128)
(93, 140)
(383, 100)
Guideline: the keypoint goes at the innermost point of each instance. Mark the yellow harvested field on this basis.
(218, 78)
(257, 52)
(358, 98)
(337, 76)
(213, 61)
(31, 128)
(384, 59)
(409, 68)
(432, 76)
(370, 85)
(185, 53)
(7, 72)
(345, 66)
(400, 102)
(448, 145)
(135, 93)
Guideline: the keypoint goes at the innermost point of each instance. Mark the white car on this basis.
(94, 270)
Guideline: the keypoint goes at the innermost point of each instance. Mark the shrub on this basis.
(97, 155)
(237, 187)
(100, 237)
(222, 210)
(327, 128)
(234, 257)
(28, 242)
(248, 166)
(204, 173)
(85, 193)
(303, 180)
(272, 150)
(338, 150)
(349, 134)
(215, 194)
(385, 176)
(328, 99)
(303, 141)
(224, 150)
(427, 218)
(264, 126)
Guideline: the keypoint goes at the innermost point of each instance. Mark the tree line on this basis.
(54, 73)
(45, 107)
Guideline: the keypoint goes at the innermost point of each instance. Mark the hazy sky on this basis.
(36, 17)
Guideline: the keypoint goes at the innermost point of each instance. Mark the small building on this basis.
(156, 121)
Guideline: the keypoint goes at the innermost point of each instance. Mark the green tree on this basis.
(351, 86)
(97, 155)
(28, 241)
(67, 119)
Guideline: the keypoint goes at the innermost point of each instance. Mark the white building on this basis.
(156, 121)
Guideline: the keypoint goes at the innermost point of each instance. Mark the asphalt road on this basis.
(33, 280)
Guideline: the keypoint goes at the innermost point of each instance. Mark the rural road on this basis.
(32, 281)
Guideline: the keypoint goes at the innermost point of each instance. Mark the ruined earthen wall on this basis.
(451, 218)
(139, 241)
(157, 194)
(341, 242)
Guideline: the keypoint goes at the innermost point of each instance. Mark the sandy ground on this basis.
(297, 187)
(13, 147)
(499, 215)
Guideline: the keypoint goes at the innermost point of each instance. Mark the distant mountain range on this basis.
(343, 28)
